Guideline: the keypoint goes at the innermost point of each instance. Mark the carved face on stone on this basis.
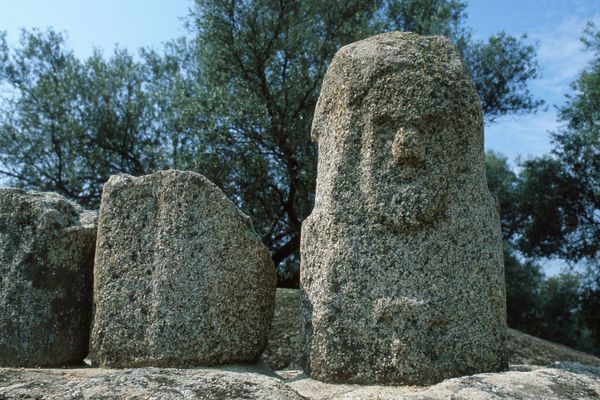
(406, 164)
(397, 123)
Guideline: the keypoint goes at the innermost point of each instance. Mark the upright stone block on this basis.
(180, 277)
(46, 265)
(402, 270)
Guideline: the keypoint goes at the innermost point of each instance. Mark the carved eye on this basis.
(408, 146)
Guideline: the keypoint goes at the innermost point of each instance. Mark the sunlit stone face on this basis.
(397, 124)
(401, 257)
(405, 166)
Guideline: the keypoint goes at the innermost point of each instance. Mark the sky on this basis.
(554, 26)
(98, 23)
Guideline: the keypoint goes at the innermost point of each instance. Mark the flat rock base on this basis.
(236, 382)
(562, 381)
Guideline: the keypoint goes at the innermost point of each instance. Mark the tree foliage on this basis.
(69, 124)
(501, 69)
(425, 17)
(66, 125)
(561, 191)
(555, 308)
(503, 183)
(551, 209)
(524, 285)
(560, 309)
(590, 304)
(263, 63)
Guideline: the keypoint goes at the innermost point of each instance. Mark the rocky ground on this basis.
(563, 381)
(560, 382)
(539, 370)
(142, 383)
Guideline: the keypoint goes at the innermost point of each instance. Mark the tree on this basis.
(501, 68)
(263, 65)
(560, 309)
(524, 296)
(562, 211)
(45, 141)
(43, 78)
(557, 206)
(590, 306)
(66, 125)
(503, 183)
(175, 91)
(425, 17)
(578, 149)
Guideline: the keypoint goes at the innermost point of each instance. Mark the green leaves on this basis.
(501, 69)
(551, 209)
(563, 190)
(67, 125)
(426, 17)
(503, 183)
(266, 60)
(37, 114)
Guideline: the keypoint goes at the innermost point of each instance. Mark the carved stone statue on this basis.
(402, 273)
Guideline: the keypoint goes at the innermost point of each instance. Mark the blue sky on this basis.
(98, 23)
(555, 25)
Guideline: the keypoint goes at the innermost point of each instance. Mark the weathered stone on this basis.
(46, 266)
(284, 349)
(530, 350)
(142, 383)
(402, 269)
(561, 382)
(180, 277)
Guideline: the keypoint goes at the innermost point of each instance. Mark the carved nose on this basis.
(407, 148)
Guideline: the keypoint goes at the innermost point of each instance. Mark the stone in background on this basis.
(402, 271)
(46, 266)
(180, 278)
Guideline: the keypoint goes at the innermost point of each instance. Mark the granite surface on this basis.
(46, 266)
(402, 274)
(283, 350)
(565, 381)
(232, 383)
(180, 277)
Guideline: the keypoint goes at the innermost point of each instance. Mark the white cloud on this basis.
(522, 136)
(561, 56)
